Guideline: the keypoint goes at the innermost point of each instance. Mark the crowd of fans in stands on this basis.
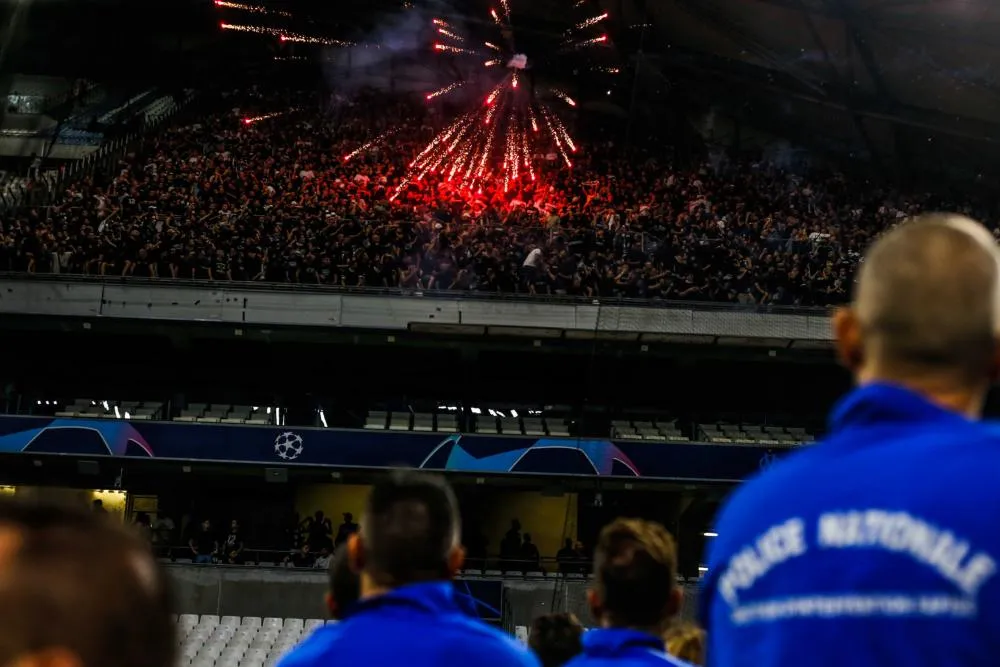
(275, 200)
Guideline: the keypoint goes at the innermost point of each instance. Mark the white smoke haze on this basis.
(396, 56)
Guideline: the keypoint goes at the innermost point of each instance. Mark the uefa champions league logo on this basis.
(288, 446)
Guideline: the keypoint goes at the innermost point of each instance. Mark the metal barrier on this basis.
(241, 590)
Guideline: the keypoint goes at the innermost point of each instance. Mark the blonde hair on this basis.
(686, 641)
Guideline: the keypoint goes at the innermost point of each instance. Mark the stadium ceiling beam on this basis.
(706, 12)
(859, 124)
(759, 80)
(795, 5)
(852, 23)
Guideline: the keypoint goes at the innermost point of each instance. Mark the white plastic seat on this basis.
(251, 621)
(272, 622)
(189, 620)
(313, 623)
(293, 624)
(210, 620)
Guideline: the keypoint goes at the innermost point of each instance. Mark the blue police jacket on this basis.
(420, 625)
(620, 647)
(878, 546)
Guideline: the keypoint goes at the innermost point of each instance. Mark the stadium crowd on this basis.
(274, 199)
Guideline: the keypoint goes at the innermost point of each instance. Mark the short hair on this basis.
(635, 568)
(76, 580)
(345, 584)
(410, 526)
(928, 296)
(556, 639)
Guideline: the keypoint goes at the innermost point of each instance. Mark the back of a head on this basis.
(74, 581)
(635, 569)
(687, 642)
(410, 528)
(928, 298)
(556, 639)
(345, 585)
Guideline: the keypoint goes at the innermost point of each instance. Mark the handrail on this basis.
(415, 293)
(276, 558)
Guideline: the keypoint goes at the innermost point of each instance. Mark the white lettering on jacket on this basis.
(776, 545)
(903, 533)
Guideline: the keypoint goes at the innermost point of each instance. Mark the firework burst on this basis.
(495, 140)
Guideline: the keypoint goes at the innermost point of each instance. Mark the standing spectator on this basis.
(567, 558)
(79, 591)
(407, 552)
(203, 544)
(232, 545)
(345, 530)
(319, 530)
(874, 562)
(510, 545)
(529, 554)
(634, 598)
(556, 639)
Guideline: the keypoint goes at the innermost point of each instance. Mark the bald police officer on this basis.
(879, 546)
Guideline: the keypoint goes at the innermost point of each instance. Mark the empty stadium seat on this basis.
(423, 422)
(533, 426)
(447, 423)
(209, 641)
(376, 419)
(400, 421)
(510, 426)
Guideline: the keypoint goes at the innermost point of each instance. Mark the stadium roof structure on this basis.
(910, 79)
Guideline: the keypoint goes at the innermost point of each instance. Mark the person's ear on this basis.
(456, 559)
(331, 604)
(355, 553)
(595, 604)
(675, 602)
(848, 339)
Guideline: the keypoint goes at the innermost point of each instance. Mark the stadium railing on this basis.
(417, 293)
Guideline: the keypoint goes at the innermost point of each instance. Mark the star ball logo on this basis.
(288, 446)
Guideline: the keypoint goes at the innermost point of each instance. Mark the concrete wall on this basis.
(285, 593)
(248, 591)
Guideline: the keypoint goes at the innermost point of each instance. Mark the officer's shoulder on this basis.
(315, 648)
(495, 646)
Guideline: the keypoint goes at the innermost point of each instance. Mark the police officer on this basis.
(406, 553)
(880, 546)
(634, 597)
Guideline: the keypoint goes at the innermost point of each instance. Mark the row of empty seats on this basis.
(754, 434)
(662, 431)
(231, 641)
(404, 420)
(537, 426)
(90, 409)
(225, 413)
